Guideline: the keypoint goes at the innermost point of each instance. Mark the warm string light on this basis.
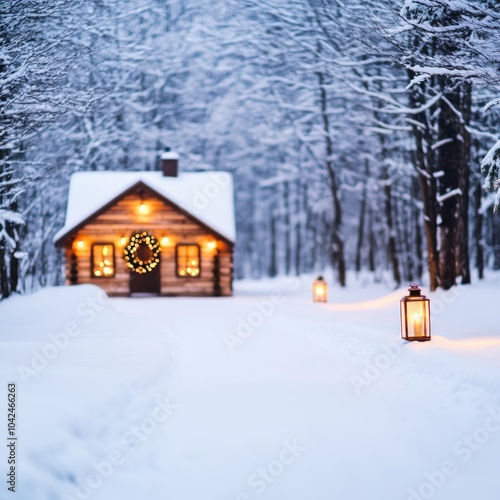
(191, 268)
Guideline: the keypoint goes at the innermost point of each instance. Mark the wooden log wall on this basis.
(161, 220)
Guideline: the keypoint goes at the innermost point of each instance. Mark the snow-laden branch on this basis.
(490, 166)
(448, 195)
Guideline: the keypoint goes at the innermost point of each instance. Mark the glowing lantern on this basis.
(80, 244)
(164, 241)
(415, 315)
(123, 241)
(212, 245)
(320, 290)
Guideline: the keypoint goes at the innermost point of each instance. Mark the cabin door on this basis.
(149, 282)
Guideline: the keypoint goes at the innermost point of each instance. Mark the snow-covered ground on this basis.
(264, 395)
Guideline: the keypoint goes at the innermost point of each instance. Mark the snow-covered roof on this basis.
(207, 196)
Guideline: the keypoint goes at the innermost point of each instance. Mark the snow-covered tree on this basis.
(468, 31)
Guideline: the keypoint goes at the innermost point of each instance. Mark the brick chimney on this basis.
(169, 161)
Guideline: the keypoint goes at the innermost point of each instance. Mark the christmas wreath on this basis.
(134, 261)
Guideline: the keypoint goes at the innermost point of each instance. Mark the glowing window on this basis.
(188, 261)
(103, 260)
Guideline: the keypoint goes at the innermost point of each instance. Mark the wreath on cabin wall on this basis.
(134, 252)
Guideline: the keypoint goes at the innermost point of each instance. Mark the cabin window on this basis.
(188, 261)
(103, 260)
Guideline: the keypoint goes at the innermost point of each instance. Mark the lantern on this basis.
(320, 290)
(415, 315)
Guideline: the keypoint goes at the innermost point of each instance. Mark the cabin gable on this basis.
(103, 238)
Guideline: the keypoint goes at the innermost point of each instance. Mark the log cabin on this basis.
(164, 233)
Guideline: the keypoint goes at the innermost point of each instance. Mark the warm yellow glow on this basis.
(212, 245)
(123, 241)
(80, 244)
(143, 208)
(188, 260)
(320, 290)
(103, 260)
(417, 325)
(164, 241)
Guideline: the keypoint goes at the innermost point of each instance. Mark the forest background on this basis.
(362, 135)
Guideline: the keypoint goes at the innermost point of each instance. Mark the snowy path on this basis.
(290, 381)
(317, 401)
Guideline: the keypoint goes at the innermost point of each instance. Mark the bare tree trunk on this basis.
(288, 233)
(298, 231)
(4, 276)
(408, 258)
(391, 242)
(453, 161)
(418, 234)
(372, 244)
(338, 258)
(273, 268)
(478, 230)
(362, 217)
(423, 159)
(298, 244)
(495, 239)
(463, 261)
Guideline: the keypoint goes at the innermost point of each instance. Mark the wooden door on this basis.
(149, 282)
